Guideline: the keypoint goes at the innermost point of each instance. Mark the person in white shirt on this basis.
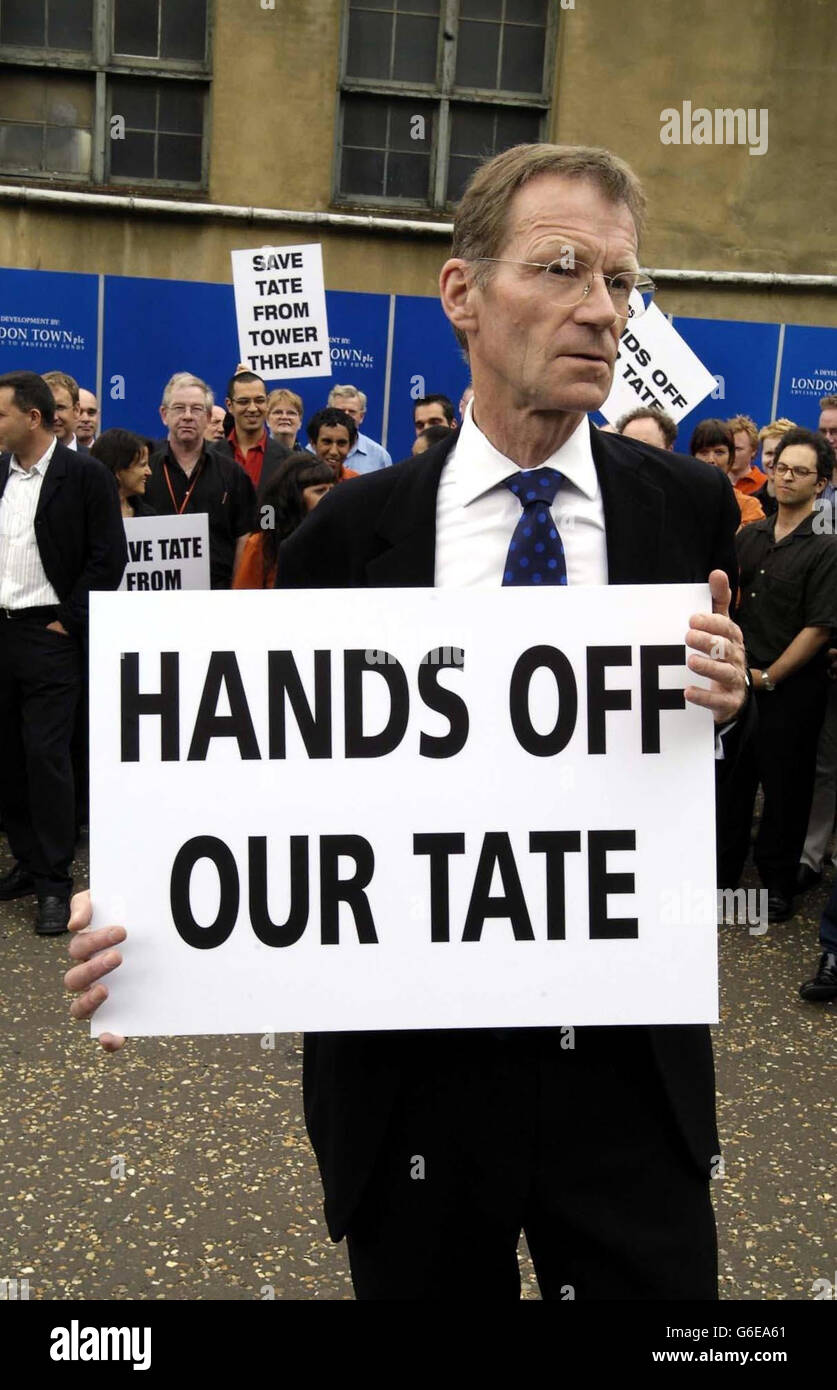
(61, 535)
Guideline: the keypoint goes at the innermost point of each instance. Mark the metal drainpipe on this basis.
(110, 202)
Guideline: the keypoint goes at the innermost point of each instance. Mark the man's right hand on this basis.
(93, 948)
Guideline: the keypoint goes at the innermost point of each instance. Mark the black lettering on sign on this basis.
(223, 671)
(437, 697)
(272, 933)
(599, 700)
(497, 852)
(601, 883)
(654, 699)
(204, 847)
(355, 665)
(314, 725)
(439, 847)
(165, 703)
(334, 890)
(555, 844)
(543, 745)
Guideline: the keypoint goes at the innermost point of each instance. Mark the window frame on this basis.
(443, 94)
(101, 64)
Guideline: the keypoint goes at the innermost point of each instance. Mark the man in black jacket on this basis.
(61, 535)
(600, 1152)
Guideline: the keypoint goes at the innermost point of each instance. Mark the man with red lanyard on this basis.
(249, 442)
(189, 476)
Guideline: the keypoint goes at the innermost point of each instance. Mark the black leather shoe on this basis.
(53, 915)
(779, 907)
(16, 884)
(824, 984)
(806, 878)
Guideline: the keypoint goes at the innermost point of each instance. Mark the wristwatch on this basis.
(766, 683)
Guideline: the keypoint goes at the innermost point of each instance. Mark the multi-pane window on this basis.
(432, 87)
(122, 100)
(48, 24)
(46, 127)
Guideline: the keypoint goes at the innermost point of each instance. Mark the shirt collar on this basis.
(480, 467)
(232, 438)
(40, 467)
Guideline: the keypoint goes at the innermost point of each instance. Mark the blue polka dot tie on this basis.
(536, 555)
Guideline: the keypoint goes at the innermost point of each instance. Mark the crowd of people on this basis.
(256, 473)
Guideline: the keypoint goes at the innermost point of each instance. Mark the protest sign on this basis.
(280, 310)
(656, 367)
(419, 809)
(166, 553)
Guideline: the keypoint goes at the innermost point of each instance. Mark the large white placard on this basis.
(166, 553)
(280, 308)
(656, 367)
(402, 809)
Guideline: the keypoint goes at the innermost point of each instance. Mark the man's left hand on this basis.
(718, 653)
(58, 627)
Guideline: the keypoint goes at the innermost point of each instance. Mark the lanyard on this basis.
(190, 489)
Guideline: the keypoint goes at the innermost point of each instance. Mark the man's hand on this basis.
(91, 947)
(58, 627)
(718, 653)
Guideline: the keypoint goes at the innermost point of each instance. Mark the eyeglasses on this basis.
(187, 409)
(792, 470)
(249, 400)
(570, 281)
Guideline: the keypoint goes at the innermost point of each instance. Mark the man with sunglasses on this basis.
(787, 610)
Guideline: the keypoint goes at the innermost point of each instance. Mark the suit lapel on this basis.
(634, 510)
(406, 527)
(5, 460)
(55, 476)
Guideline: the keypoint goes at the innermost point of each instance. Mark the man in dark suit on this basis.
(600, 1152)
(61, 535)
(66, 393)
(437, 1148)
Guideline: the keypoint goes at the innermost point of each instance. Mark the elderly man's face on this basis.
(543, 354)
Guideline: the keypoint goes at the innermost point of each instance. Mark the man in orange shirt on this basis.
(713, 442)
(332, 434)
(744, 475)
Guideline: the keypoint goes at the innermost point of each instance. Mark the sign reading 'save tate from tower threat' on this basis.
(280, 310)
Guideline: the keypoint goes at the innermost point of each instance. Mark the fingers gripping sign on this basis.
(94, 949)
(717, 652)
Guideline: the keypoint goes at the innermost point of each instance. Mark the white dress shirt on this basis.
(476, 517)
(23, 581)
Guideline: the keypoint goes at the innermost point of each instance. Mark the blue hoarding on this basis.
(48, 323)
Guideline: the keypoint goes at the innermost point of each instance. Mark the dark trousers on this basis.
(828, 921)
(782, 757)
(40, 679)
(512, 1131)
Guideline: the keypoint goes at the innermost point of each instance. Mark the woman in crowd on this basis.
(294, 490)
(126, 455)
(714, 443)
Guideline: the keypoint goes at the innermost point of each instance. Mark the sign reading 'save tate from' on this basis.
(166, 553)
(420, 809)
(280, 309)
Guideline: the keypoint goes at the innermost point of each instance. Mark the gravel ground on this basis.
(180, 1168)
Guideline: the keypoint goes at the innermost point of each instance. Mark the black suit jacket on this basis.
(668, 519)
(79, 531)
(275, 454)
